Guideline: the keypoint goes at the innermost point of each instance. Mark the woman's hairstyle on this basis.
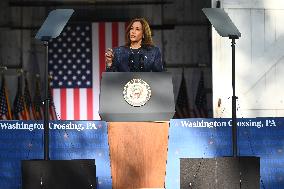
(147, 36)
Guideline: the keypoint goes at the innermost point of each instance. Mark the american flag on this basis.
(19, 108)
(76, 62)
(5, 111)
(182, 103)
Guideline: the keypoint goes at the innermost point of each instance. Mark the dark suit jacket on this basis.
(151, 59)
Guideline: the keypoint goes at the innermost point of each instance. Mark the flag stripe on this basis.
(108, 35)
(70, 102)
(83, 104)
(89, 97)
(57, 102)
(121, 33)
(76, 101)
(63, 104)
(114, 34)
(102, 47)
(96, 70)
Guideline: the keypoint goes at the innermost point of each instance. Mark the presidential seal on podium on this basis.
(137, 92)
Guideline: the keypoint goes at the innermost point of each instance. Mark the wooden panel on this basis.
(138, 154)
(259, 64)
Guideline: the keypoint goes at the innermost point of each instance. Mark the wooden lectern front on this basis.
(138, 145)
(138, 154)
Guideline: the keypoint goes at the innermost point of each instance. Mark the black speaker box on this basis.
(58, 174)
(220, 173)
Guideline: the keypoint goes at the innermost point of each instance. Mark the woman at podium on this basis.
(138, 54)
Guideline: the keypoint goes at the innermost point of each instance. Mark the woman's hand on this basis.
(109, 57)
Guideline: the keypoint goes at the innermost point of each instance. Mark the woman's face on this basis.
(136, 32)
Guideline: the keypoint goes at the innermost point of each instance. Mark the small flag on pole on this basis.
(20, 111)
(5, 110)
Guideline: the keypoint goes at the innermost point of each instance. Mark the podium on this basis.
(137, 134)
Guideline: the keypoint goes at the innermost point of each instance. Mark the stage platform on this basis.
(187, 138)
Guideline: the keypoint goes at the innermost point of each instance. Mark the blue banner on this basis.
(188, 138)
(207, 138)
(23, 140)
